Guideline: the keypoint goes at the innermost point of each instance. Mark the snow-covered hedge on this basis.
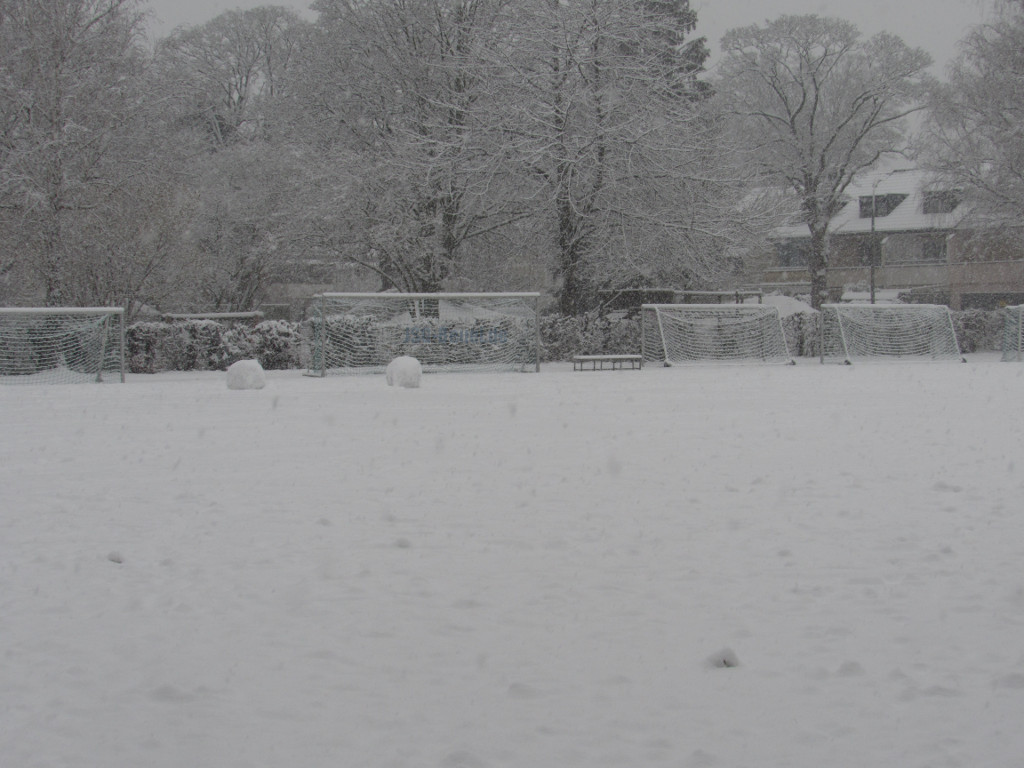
(194, 345)
(979, 330)
(207, 345)
(562, 337)
(801, 329)
(279, 345)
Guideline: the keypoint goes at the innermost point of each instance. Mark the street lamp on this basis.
(876, 246)
(873, 257)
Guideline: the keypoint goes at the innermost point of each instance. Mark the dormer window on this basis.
(883, 204)
(941, 201)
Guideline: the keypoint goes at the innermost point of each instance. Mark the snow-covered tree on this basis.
(82, 163)
(975, 133)
(237, 239)
(224, 72)
(605, 120)
(483, 142)
(395, 96)
(817, 104)
(221, 87)
(407, 108)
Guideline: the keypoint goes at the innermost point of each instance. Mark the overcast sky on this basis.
(935, 25)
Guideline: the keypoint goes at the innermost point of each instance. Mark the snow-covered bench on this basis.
(614, 362)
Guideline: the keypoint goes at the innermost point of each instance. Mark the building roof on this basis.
(908, 216)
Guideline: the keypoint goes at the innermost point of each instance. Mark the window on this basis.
(791, 253)
(942, 200)
(883, 204)
(870, 250)
(919, 248)
(933, 249)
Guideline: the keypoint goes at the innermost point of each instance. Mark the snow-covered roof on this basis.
(908, 216)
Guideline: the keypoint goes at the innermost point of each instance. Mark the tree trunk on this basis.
(817, 265)
(571, 298)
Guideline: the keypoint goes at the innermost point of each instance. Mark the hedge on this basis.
(198, 345)
(207, 345)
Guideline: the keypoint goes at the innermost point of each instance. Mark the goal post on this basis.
(879, 332)
(1013, 333)
(61, 345)
(677, 334)
(363, 332)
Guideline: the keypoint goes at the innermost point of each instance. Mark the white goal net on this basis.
(52, 345)
(675, 334)
(872, 332)
(1013, 334)
(363, 332)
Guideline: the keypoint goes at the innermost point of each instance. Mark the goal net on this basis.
(1013, 334)
(871, 332)
(63, 345)
(363, 332)
(676, 334)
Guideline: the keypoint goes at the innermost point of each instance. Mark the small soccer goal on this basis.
(1013, 334)
(363, 332)
(878, 332)
(677, 334)
(61, 345)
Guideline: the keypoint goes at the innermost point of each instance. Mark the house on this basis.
(902, 230)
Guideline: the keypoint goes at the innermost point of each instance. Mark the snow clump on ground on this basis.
(404, 372)
(246, 374)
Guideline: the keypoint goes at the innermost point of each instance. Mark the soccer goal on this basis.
(878, 332)
(61, 345)
(675, 334)
(1013, 334)
(363, 332)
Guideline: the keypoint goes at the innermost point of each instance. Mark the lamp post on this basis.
(874, 242)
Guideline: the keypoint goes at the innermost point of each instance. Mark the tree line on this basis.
(428, 145)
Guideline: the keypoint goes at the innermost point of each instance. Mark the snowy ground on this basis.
(792, 567)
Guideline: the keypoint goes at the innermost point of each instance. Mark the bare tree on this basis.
(975, 133)
(818, 104)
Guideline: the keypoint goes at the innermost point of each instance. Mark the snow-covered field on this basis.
(792, 567)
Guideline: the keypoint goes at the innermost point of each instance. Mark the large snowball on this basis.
(404, 372)
(246, 374)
